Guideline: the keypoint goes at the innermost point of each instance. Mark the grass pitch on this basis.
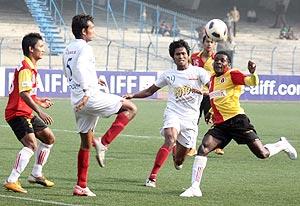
(237, 178)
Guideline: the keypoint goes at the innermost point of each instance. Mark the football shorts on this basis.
(187, 129)
(100, 105)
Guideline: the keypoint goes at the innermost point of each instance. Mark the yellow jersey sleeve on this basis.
(252, 80)
(25, 83)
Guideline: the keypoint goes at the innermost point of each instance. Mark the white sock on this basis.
(41, 156)
(22, 160)
(198, 167)
(275, 148)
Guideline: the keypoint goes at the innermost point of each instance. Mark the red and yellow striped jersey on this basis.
(225, 91)
(25, 79)
(207, 65)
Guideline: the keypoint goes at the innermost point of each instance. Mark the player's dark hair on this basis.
(204, 38)
(80, 22)
(30, 40)
(177, 44)
(226, 54)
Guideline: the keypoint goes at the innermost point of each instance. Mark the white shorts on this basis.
(187, 130)
(100, 105)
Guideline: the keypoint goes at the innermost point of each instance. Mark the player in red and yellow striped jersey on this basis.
(230, 120)
(19, 115)
(205, 59)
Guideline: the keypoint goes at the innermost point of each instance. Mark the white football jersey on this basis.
(181, 100)
(79, 68)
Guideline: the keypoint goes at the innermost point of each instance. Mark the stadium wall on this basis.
(52, 83)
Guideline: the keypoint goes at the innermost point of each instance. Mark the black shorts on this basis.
(238, 128)
(205, 105)
(22, 125)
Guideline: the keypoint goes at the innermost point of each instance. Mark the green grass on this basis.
(237, 178)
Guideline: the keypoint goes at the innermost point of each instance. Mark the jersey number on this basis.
(68, 66)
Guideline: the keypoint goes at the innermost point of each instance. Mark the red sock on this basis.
(117, 126)
(161, 157)
(83, 160)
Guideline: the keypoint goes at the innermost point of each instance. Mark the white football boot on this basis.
(290, 150)
(191, 192)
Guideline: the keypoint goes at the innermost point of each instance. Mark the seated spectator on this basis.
(164, 28)
(251, 16)
(283, 33)
(174, 31)
(290, 34)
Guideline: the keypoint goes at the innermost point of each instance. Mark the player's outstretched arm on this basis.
(144, 93)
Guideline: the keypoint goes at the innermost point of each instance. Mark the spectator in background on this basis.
(280, 20)
(229, 22)
(235, 15)
(164, 29)
(287, 33)
(291, 34)
(251, 16)
(154, 22)
(174, 30)
(283, 33)
(201, 33)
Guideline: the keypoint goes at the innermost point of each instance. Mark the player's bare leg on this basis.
(162, 155)
(179, 155)
(125, 115)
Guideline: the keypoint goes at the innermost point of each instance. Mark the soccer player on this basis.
(205, 59)
(230, 121)
(181, 114)
(89, 101)
(19, 115)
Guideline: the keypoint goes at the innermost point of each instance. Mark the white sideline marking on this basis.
(37, 200)
(72, 131)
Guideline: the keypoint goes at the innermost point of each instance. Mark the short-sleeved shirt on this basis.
(225, 91)
(181, 100)
(207, 65)
(25, 79)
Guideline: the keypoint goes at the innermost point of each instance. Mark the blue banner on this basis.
(274, 87)
(52, 83)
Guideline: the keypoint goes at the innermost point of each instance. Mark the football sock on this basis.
(41, 156)
(83, 160)
(117, 126)
(22, 160)
(275, 148)
(198, 167)
(161, 157)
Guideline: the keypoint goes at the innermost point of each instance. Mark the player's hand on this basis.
(45, 117)
(101, 82)
(128, 96)
(208, 118)
(197, 91)
(251, 67)
(82, 103)
(45, 103)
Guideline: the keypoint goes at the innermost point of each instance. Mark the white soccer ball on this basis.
(216, 29)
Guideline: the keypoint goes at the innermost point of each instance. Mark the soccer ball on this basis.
(216, 30)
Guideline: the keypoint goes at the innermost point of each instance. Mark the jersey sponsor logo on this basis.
(217, 94)
(182, 91)
(26, 84)
(193, 78)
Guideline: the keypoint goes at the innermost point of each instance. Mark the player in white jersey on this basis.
(181, 114)
(89, 102)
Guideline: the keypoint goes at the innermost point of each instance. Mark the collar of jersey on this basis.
(29, 62)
